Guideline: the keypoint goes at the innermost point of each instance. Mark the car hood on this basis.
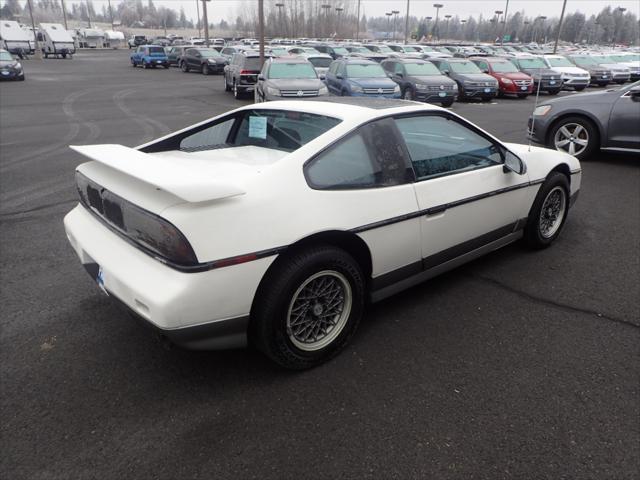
(615, 66)
(584, 99)
(218, 59)
(514, 75)
(431, 79)
(373, 82)
(295, 83)
(474, 77)
(541, 72)
(573, 70)
(8, 63)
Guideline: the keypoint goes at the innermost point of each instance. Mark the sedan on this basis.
(276, 224)
(582, 124)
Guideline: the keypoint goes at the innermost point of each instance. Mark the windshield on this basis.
(503, 67)
(291, 70)
(156, 50)
(320, 62)
(360, 50)
(340, 50)
(604, 59)
(209, 52)
(310, 50)
(5, 57)
(464, 67)
(252, 63)
(584, 61)
(274, 129)
(626, 58)
(531, 63)
(410, 49)
(373, 70)
(384, 49)
(279, 51)
(559, 62)
(419, 69)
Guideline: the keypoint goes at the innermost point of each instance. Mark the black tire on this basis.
(593, 142)
(408, 94)
(21, 79)
(236, 91)
(269, 329)
(166, 66)
(579, 89)
(133, 63)
(64, 55)
(487, 99)
(554, 92)
(602, 85)
(205, 69)
(145, 65)
(227, 87)
(447, 103)
(523, 95)
(533, 232)
(184, 67)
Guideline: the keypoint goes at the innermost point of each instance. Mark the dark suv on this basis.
(241, 75)
(334, 50)
(421, 80)
(205, 60)
(472, 83)
(549, 80)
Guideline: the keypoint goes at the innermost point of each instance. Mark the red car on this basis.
(511, 81)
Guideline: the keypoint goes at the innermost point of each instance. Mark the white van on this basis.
(113, 39)
(13, 38)
(56, 41)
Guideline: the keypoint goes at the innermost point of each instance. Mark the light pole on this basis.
(428, 25)
(388, 14)
(464, 28)
(615, 26)
(111, 15)
(205, 19)
(544, 33)
(358, 22)
(555, 45)
(497, 20)
(406, 24)
(35, 32)
(339, 11)
(280, 5)
(395, 16)
(448, 17)
(436, 30)
(504, 22)
(260, 30)
(526, 22)
(326, 8)
(64, 14)
(199, 25)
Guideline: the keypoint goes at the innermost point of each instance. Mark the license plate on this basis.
(487, 90)
(552, 82)
(605, 76)
(158, 61)
(5, 73)
(523, 88)
(100, 280)
(442, 94)
(249, 89)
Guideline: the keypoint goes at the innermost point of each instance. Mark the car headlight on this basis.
(542, 110)
(212, 60)
(355, 88)
(506, 81)
(273, 91)
(323, 91)
(396, 89)
(419, 86)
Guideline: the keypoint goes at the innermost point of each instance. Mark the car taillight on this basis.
(247, 72)
(153, 234)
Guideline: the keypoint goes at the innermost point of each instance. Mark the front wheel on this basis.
(579, 89)
(205, 69)
(308, 307)
(549, 212)
(447, 103)
(236, 90)
(184, 67)
(408, 94)
(227, 88)
(523, 95)
(554, 92)
(574, 135)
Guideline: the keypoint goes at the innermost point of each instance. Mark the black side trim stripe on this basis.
(577, 170)
(441, 208)
(444, 256)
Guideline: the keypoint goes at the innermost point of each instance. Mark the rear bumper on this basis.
(205, 310)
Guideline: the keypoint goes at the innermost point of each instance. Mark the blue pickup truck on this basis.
(150, 56)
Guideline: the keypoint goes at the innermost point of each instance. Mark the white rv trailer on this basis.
(113, 39)
(56, 40)
(13, 38)
(91, 38)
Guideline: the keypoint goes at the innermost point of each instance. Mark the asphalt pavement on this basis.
(520, 365)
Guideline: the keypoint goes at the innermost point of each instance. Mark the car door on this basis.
(367, 177)
(465, 197)
(330, 77)
(624, 123)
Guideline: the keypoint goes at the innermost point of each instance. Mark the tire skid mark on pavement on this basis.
(152, 128)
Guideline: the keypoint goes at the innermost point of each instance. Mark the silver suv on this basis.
(289, 77)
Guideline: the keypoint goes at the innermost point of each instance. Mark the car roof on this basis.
(289, 59)
(357, 60)
(405, 60)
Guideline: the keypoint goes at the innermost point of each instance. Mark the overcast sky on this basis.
(228, 9)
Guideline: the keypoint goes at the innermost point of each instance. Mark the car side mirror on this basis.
(322, 76)
(513, 163)
(634, 93)
(339, 77)
(486, 70)
(261, 78)
(400, 75)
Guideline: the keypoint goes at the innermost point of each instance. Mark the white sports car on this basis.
(275, 224)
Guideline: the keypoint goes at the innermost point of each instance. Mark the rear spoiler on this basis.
(163, 173)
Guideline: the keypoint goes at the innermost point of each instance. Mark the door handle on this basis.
(436, 210)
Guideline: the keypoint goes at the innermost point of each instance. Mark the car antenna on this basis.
(533, 117)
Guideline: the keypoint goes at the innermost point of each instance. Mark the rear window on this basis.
(252, 63)
(320, 62)
(276, 129)
(156, 50)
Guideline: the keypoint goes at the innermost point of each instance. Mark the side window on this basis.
(333, 68)
(369, 158)
(342, 70)
(209, 138)
(483, 66)
(440, 146)
(140, 49)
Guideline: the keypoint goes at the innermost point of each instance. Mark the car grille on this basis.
(522, 83)
(378, 91)
(482, 84)
(439, 88)
(298, 93)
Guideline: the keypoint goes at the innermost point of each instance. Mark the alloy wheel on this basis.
(552, 212)
(572, 138)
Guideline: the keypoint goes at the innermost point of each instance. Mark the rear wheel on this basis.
(184, 67)
(236, 90)
(205, 69)
(227, 88)
(574, 135)
(549, 212)
(309, 307)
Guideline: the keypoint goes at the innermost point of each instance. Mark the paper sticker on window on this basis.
(258, 127)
